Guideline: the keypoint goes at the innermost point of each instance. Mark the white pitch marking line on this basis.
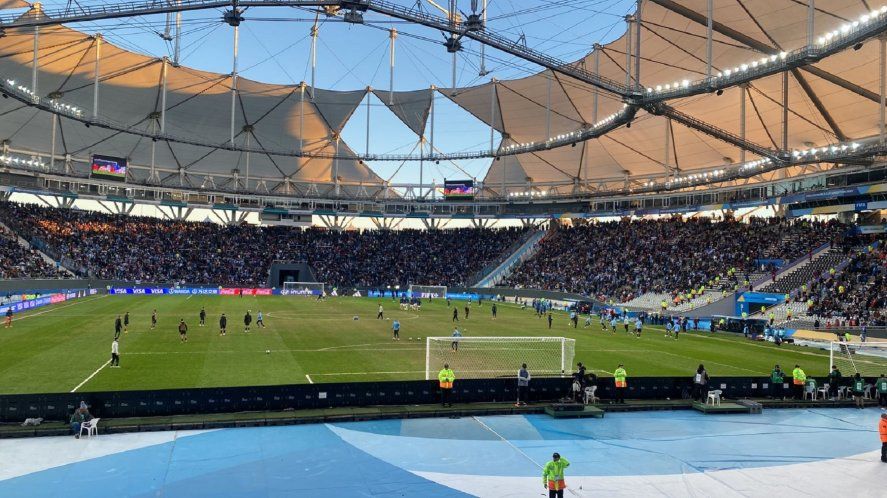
(309, 379)
(32, 315)
(368, 373)
(91, 376)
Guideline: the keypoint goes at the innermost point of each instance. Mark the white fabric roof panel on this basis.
(412, 108)
(673, 49)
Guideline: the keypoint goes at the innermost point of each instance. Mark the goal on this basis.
(428, 291)
(488, 357)
(302, 289)
(869, 359)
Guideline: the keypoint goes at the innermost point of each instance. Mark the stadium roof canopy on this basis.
(650, 118)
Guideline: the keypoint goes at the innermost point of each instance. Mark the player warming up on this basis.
(381, 314)
(260, 321)
(118, 327)
(126, 323)
(395, 328)
(202, 316)
(153, 319)
(115, 354)
(223, 325)
(183, 330)
(7, 322)
(247, 320)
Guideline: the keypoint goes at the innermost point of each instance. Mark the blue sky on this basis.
(275, 47)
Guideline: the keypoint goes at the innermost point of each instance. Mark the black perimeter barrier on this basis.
(17, 407)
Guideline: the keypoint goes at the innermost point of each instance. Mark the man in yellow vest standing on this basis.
(621, 385)
(553, 476)
(446, 377)
(799, 380)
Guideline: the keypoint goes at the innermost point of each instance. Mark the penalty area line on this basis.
(97, 370)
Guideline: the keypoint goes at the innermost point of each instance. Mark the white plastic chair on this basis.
(867, 394)
(824, 390)
(589, 394)
(842, 392)
(715, 397)
(91, 427)
(810, 391)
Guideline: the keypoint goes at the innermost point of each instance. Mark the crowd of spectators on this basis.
(623, 259)
(853, 296)
(120, 247)
(18, 261)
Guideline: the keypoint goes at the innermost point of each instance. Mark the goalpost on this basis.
(486, 357)
(302, 289)
(428, 291)
(869, 359)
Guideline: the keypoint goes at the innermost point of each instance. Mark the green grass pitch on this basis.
(57, 348)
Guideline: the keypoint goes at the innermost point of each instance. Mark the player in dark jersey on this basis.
(467, 309)
(183, 330)
(126, 323)
(8, 323)
(223, 325)
(153, 319)
(247, 320)
(118, 327)
(202, 316)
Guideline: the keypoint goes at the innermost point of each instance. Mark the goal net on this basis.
(302, 289)
(428, 291)
(487, 357)
(869, 359)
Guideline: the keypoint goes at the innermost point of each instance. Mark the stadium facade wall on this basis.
(16, 408)
(27, 286)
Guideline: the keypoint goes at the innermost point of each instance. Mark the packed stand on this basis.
(17, 261)
(621, 260)
(160, 251)
(854, 296)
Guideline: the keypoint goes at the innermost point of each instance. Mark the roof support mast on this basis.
(177, 44)
(95, 82)
(55, 123)
(314, 30)
(742, 90)
(36, 60)
(628, 20)
(811, 16)
(492, 111)
(431, 114)
(483, 62)
(392, 36)
(597, 68)
(234, 17)
(882, 76)
(548, 108)
(637, 45)
(367, 149)
(709, 33)
(667, 147)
